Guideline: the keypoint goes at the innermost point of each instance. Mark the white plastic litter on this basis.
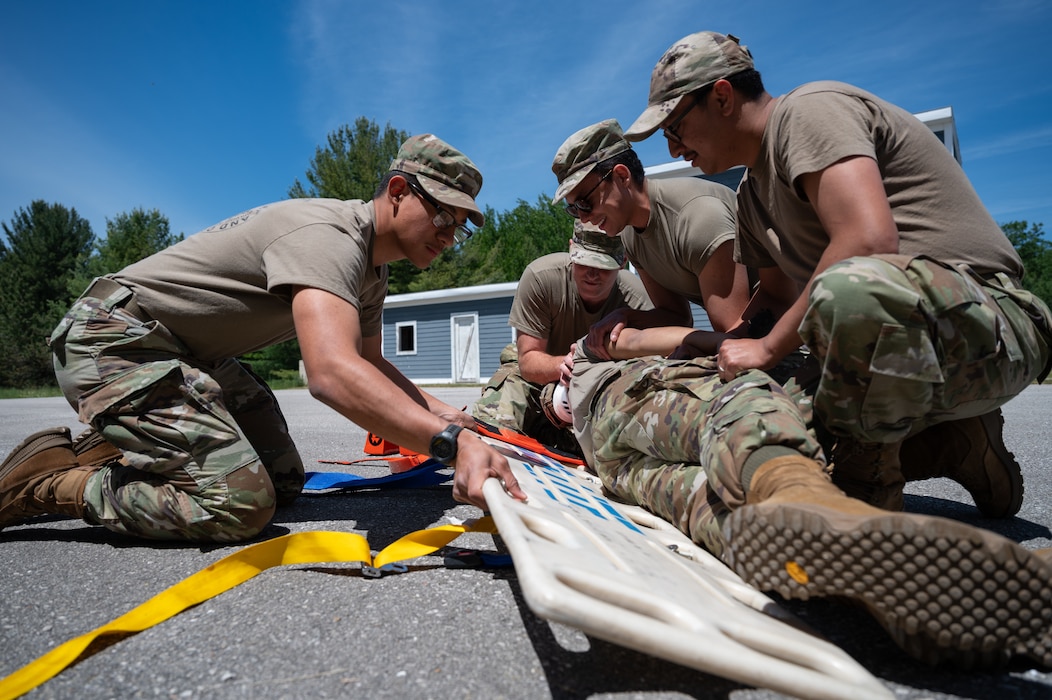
(621, 574)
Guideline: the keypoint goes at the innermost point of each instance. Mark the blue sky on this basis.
(204, 109)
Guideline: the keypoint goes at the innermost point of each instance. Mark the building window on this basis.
(405, 338)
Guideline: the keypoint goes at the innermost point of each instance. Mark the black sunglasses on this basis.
(670, 130)
(443, 219)
(581, 205)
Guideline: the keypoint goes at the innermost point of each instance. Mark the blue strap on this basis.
(424, 475)
(476, 559)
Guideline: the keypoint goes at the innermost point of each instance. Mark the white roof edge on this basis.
(440, 296)
(933, 115)
(678, 167)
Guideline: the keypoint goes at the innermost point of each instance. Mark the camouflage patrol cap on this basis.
(690, 64)
(580, 153)
(444, 172)
(590, 246)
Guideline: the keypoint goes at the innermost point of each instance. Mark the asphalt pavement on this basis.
(326, 631)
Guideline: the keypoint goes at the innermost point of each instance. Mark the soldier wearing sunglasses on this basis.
(678, 233)
(186, 443)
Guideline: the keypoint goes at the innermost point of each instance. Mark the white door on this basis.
(465, 348)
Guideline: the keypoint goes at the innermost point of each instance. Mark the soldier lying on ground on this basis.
(734, 466)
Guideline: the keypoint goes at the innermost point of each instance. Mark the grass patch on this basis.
(285, 379)
(30, 393)
(279, 384)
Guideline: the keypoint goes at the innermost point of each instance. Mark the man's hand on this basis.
(476, 461)
(607, 328)
(736, 355)
(464, 420)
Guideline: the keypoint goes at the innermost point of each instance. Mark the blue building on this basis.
(448, 336)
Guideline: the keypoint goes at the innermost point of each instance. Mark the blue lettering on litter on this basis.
(563, 489)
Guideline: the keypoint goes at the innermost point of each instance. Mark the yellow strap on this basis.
(422, 542)
(228, 572)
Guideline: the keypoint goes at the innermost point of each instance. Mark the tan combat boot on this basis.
(972, 452)
(41, 476)
(869, 471)
(943, 590)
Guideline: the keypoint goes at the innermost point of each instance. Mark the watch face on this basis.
(442, 448)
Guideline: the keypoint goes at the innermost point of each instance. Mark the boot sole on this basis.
(993, 424)
(944, 591)
(37, 442)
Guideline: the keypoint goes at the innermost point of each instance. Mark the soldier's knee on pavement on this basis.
(251, 502)
(251, 521)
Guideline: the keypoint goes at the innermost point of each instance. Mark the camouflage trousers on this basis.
(510, 401)
(207, 451)
(672, 437)
(905, 343)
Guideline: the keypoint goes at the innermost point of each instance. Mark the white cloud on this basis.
(998, 145)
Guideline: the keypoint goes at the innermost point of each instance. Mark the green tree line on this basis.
(48, 256)
(49, 253)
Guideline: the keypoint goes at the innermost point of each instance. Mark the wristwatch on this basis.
(443, 445)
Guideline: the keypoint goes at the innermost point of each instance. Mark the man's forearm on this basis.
(540, 367)
(640, 342)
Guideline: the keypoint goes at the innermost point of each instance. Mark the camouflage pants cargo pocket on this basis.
(190, 473)
(905, 343)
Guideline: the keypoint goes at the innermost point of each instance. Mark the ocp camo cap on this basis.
(585, 149)
(690, 64)
(444, 172)
(593, 248)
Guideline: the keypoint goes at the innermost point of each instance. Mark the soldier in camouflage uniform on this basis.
(559, 297)
(734, 465)
(185, 442)
(891, 270)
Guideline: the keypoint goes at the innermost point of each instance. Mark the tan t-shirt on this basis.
(689, 219)
(547, 304)
(937, 210)
(227, 290)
